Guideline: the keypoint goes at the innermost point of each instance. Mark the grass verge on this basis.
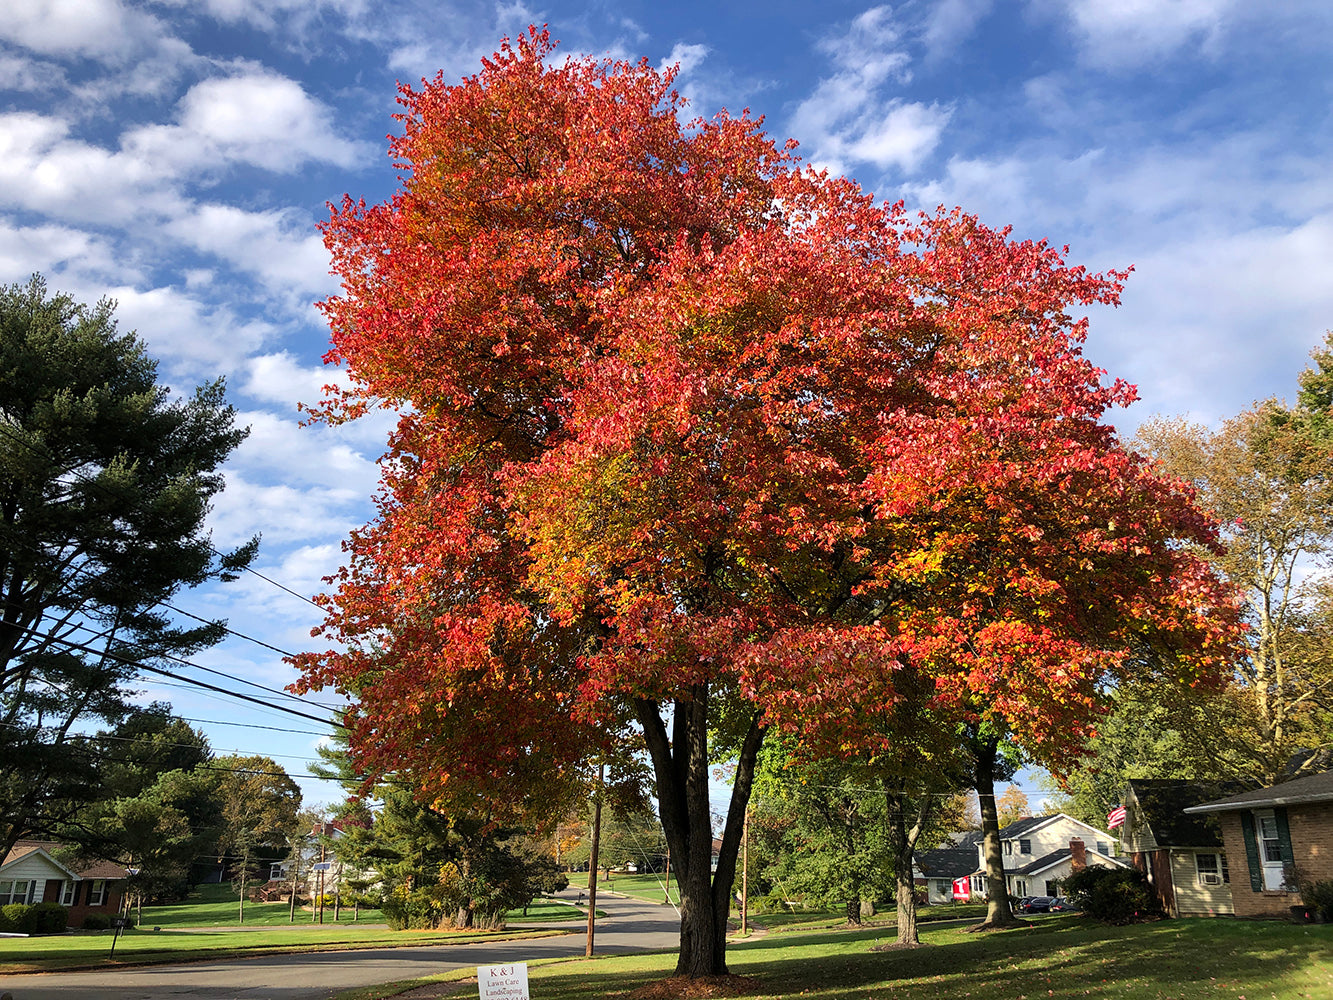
(146, 947)
(1064, 957)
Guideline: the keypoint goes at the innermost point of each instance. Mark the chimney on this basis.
(1078, 855)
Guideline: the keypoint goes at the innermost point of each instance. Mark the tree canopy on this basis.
(105, 482)
(696, 439)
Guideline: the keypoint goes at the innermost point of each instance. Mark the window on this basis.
(1209, 873)
(1020, 887)
(1103, 848)
(943, 886)
(97, 892)
(1226, 872)
(1025, 847)
(978, 885)
(16, 891)
(1008, 847)
(67, 892)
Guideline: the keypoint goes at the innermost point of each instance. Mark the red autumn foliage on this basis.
(694, 437)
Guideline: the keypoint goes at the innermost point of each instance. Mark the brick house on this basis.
(31, 874)
(1274, 830)
(1182, 856)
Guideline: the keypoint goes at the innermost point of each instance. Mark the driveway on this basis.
(629, 925)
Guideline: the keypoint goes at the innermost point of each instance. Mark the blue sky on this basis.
(176, 155)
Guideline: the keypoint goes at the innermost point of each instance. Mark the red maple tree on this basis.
(696, 441)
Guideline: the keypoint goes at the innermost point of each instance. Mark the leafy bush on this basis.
(20, 918)
(50, 918)
(96, 922)
(1317, 895)
(1113, 895)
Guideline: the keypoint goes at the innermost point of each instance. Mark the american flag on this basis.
(1115, 818)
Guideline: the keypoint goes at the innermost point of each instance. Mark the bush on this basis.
(96, 922)
(1316, 895)
(50, 918)
(1113, 895)
(20, 918)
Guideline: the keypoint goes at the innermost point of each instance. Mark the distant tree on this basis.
(105, 482)
(1267, 474)
(1011, 806)
(260, 804)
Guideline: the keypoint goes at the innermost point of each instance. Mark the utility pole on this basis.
(592, 858)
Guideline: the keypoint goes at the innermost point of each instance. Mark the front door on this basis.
(1270, 850)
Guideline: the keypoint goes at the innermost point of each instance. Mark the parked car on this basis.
(1035, 904)
(1061, 904)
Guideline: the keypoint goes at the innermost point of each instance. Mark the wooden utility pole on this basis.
(592, 858)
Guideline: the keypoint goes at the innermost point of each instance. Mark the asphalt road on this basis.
(630, 925)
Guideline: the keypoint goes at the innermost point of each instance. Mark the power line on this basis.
(187, 663)
(229, 631)
(190, 680)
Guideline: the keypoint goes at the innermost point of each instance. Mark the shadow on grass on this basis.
(1063, 957)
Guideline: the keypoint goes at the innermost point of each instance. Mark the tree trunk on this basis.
(903, 838)
(998, 911)
(680, 766)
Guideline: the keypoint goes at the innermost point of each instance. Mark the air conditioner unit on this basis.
(1208, 878)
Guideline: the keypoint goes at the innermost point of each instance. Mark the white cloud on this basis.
(278, 448)
(30, 75)
(280, 247)
(195, 340)
(61, 251)
(950, 22)
(105, 30)
(256, 117)
(282, 512)
(44, 170)
(1136, 31)
(280, 378)
(684, 56)
(849, 119)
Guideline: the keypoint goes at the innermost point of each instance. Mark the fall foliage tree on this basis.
(697, 442)
(1267, 474)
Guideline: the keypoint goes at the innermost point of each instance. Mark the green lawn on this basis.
(1064, 957)
(216, 906)
(137, 947)
(645, 887)
(547, 909)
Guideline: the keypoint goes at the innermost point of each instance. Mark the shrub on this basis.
(20, 917)
(96, 922)
(1316, 895)
(50, 918)
(1113, 895)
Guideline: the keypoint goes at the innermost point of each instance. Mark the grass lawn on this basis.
(1063, 957)
(137, 947)
(645, 887)
(546, 909)
(216, 906)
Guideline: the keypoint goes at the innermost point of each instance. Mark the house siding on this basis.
(1192, 898)
(1311, 830)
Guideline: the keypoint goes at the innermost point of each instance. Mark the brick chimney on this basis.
(1078, 855)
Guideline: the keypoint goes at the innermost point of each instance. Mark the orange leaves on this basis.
(677, 412)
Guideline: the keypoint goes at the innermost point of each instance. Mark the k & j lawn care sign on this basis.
(503, 982)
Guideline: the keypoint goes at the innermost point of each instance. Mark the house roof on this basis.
(1161, 803)
(1029, 824)
(947, 862)
(1056, 857)
(1303, 791)
(98, 869)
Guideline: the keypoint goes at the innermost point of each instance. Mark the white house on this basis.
(1038, 852)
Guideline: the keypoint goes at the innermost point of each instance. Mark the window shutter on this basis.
(1252, 851)
(1284, 839)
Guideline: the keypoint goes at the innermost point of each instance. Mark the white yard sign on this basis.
(503, 982)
